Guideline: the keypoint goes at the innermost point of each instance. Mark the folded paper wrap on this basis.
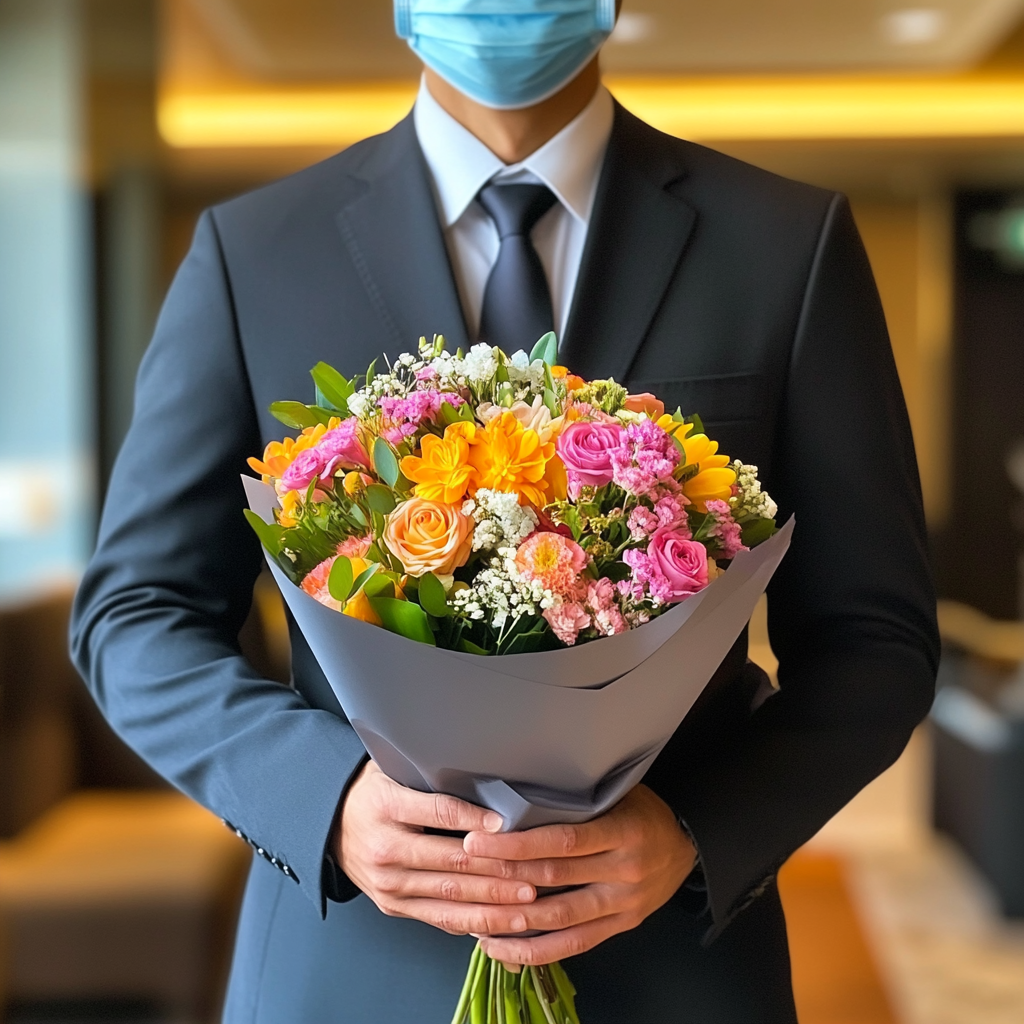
(557, 736)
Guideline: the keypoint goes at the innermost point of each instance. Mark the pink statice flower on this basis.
(726, 530)
(642, 522)
(567, 619)
(427, 373)
(671, 511)
(603, 607)
(646, 457)
(404, 416)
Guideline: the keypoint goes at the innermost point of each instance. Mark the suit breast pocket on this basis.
(726, 398)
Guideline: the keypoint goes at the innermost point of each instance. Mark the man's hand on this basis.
(629, 862)
(383, 849)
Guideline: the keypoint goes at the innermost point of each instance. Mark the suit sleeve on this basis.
(156, 621)
(851, 609)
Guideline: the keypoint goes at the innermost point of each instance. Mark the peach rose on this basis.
(429, 536)
(645, 402)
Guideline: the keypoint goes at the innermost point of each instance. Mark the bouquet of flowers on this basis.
(484, 504)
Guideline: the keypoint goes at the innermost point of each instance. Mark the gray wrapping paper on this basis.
(558, 736)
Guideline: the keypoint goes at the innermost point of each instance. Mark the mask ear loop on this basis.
(403, 18)
(604, 14)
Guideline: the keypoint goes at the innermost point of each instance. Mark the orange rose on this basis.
(429, 536)
(645, 402)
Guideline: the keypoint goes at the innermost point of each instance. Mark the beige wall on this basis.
(909, 243)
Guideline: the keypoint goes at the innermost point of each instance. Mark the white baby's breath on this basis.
(500, 520)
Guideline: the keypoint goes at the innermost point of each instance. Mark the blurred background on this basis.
(120, 120)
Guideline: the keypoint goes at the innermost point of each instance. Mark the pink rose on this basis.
(645, 402)
(683, 563)
(585, 450)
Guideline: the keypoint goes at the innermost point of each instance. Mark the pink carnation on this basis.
(306, 467)
(566, 619)
(342, 447)
(554, 560)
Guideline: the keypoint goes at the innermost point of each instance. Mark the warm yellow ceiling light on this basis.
(710, 108)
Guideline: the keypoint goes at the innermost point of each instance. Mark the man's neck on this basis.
(512, 135)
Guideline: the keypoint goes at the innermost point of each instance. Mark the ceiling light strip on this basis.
(707, 109)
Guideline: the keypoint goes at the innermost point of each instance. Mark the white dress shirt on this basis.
(460, 164)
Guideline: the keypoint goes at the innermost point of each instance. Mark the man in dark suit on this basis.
(724, 289)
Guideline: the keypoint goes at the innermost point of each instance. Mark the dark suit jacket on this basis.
(726, 290)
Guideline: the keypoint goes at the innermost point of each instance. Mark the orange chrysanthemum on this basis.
(442, 471)
(507, 457)
(279, 455)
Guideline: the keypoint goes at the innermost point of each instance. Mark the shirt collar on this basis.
(460, 164)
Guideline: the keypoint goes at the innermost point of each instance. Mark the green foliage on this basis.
(758, 532)
(339, 583)
(270, 534)
(404, 618)
(432, 596)
(294, 415)
(468, 647)
(333, 387)
(385, 462)
(380, 499)
(605, 395)
(546, 349)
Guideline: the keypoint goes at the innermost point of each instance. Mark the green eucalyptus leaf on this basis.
(324, 402)
(380, 499)
(551, 403)
(364, 577)
(433, 598)
(404, 618)
(379, 584)
(271, 535)
(320, 414)
(449, 414)
(385, 462)
(293, 414)
(333, 386)
(339, 582)
(758, 532)
(546, 349)
(549, 381)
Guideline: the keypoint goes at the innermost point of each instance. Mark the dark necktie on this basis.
(517, 302)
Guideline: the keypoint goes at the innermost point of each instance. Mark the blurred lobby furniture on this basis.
(835, 977)
(120, 893)
(978, 746)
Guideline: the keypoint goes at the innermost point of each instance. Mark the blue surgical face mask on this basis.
(505, 54)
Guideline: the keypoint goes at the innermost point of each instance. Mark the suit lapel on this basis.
(392, 232)
(636, 240)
